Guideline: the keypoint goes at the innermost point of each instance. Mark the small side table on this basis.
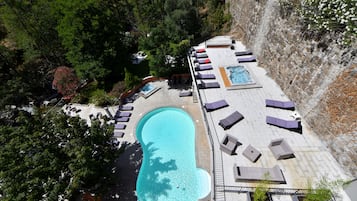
(252, 153)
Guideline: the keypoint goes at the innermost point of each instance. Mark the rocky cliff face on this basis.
(318, 74)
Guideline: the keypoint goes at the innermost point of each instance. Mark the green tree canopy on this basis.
(52, 156)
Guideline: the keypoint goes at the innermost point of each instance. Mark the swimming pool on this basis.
(239, 75)
(168, 170)
(148, 89)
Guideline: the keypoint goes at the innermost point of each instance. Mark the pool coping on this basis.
(230, 86)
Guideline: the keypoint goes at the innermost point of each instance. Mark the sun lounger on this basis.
(215, 105)
(122, 119)
(290, 124)
(200, 50)
(122, 114)
(126, 107)
(243, 53)
(208, 85)
(118, 133)
(205, 76)
(203, 61)
(203, 67)
(230, 120)
(229, 144)
(280, 104)
(254, 174)
(119, 126)
(185, 93)
(281, 149)
(201, 55)
(247, 59)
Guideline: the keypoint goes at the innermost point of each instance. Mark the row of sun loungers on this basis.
(121, 115)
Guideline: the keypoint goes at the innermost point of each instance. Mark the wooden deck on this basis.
(225, 79)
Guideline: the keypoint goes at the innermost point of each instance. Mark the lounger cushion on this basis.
(280, 104)
(203, 67)
(126, 107)
(290, 124)
(247, 59)
(230, 120)
(119, 126)
(215, 105)
(205, 76)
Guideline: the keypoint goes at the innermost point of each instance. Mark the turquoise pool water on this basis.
(168, 171)
(239, 75)
(147, 88)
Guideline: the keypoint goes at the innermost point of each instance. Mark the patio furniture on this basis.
(208, 85)
(126, 107)
(281, 149)
(185, 93)
(243, 53)
(205, 76)
(252, 153)
(280, 104)
(289, 124)
(230, 120)
(215, 105)
(200, 50)
(202, 61)
(118, 133)
(122, 114)
(229, 144)
(119, 126)
(201, 55)
(122, 119)
(251, 58)
(254, 174)
(203, 67)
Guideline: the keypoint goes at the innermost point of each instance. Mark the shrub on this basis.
(331, 16)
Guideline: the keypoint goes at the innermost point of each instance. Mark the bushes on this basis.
(324, 16)
(91, 94)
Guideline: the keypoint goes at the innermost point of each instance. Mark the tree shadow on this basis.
(127, 169)
(155, 185)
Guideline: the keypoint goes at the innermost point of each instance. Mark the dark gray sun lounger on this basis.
(215, 105)
(203, 67)
(280, 104)
(230, 120)
(247, 59)
(243, 53)
(122, 119)
(118, 133)
(205, 76)
(290, 124)
(119, 126)
(126, 107)
(254, 174)
(122, 114)
(208, 85)
(185, 93)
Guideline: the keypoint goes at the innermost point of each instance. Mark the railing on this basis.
(217, 192)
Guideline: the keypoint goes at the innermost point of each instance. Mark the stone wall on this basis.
(318, 74)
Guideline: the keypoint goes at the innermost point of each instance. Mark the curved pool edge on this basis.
(203, 173)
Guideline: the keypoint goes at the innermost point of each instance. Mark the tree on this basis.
(32, 25)
(52, 156)
(94, 35)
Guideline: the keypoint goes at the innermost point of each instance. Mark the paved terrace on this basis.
(312, 160)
